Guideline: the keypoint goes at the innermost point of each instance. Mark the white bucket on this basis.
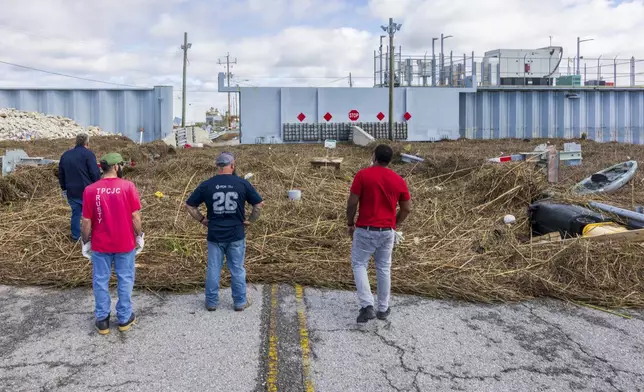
(294, 194)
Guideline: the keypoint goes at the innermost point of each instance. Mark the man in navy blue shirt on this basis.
(225, 196)
(77, 169)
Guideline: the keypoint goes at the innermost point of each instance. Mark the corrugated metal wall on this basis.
(117, 111)
(604, 115)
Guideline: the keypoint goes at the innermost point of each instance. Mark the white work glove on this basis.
(65, 195)
(398, 237)
(140, 242)
(87, 250)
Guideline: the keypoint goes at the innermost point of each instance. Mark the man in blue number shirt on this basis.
(225, 196)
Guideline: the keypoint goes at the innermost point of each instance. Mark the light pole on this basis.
(433, 62)
(380, 50)
(391, 30)
(441, 71)
(579, 41)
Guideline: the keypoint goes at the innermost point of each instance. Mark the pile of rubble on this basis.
(22, 125)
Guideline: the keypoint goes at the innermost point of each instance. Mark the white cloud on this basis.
(492, 24)
(284, 42)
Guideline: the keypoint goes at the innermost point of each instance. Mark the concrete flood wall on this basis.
(119, 111)
(265, 111)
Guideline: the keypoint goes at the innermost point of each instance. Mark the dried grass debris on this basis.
(456, 245)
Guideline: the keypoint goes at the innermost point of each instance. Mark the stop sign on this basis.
(354, 115)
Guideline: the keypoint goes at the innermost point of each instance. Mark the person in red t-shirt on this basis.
(377, 190)
(111, 217)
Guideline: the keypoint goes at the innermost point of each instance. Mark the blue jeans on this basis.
(235, 253)
(124, 268)
(77, 211)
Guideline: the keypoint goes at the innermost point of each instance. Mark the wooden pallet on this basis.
(325, 162)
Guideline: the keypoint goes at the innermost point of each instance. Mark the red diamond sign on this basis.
(301, 117)
(407, 116)
(380, 116)
(328, 116)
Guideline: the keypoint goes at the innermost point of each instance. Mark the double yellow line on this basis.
(304, 341)
(271, 379)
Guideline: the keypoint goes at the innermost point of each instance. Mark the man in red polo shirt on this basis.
(112, 220)
(377, 190)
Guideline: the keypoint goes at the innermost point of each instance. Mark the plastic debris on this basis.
(509, 219)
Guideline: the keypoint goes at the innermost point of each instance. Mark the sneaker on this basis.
(241, 308)
(103, 326)
(366, 314)
(128, 325)
(383, 315)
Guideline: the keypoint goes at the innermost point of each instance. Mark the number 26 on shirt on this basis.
(224, 201)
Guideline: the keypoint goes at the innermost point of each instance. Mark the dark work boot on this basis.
(103, 326)
(383, 315)
(366, 314)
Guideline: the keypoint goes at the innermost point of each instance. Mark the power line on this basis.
(333, 81)
(68, 76)
(307, 77)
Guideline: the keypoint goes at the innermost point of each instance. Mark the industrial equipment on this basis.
(14, 158)
(522, 67)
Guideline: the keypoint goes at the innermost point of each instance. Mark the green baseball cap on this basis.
(113, 158)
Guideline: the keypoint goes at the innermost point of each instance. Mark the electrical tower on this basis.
(228, 75)
(185, 48)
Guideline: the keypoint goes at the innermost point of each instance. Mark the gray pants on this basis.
(378, 244)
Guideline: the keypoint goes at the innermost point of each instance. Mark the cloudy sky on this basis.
(285, 42)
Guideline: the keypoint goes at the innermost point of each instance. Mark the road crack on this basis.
(592, 358)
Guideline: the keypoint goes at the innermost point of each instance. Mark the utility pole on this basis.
(228, 62)
(185, 48)
(350, 80)
(391, 30)
(380, 52)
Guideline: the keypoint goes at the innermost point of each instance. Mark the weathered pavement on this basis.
(294, 341)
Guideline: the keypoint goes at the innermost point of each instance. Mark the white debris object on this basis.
(398, 237)
(22, 125)
(248, 176)
(294, 194)
(509, 219)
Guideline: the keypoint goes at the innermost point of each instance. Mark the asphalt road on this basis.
(293, 341)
